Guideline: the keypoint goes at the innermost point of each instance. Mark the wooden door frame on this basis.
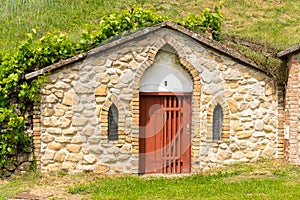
(166, 94)
(187, 120)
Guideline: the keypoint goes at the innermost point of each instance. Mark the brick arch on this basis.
(226, 119)
(194, 74)
(112, 99)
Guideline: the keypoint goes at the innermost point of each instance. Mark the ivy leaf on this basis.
(9, 149)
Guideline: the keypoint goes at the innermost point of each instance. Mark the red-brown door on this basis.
(165, 140)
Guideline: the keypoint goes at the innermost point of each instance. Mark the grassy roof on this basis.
(270, 25)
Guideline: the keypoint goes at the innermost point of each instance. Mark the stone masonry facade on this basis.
(71, 121)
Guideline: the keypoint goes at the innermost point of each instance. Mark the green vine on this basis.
(207, 21)
(18, 94)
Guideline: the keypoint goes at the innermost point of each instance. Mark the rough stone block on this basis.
(47, 138)
(101, 91)
(88, 131)
(109, 159)
(79, 121)
(54, 131)
(237, 126)
(96, 149)
(70, 131)
(113, 150)
(270, 88)
(61, 106)
(77, 140)
(64, 122)
(48, 155)
(47, 112)
(243, 134)
(126, 58)
(58, 93)
(233, 147)
(55, 146)
(49, 99)
(94, 140)
(73, 148)
(59, 112)
(232, 105)
(268, 128)
(259, 124)
(238, 155)
(101, 169)
(60, 156)
(55, 167)
(251, 154)
(63, 139)
(224, 155)
(81, 88)
(127, 76)
(268, 151)
(68, 99)
(68, 165)
(126, 148)
(74, 157)
(123, 157)
(50, 122)
(61, 85)
(89, 159)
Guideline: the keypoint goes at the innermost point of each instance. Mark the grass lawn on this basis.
(272, 22)
(264, 180)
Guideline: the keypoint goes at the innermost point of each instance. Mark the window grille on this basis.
(217, 122)
(113, 115)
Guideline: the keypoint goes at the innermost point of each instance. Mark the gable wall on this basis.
(76, 99)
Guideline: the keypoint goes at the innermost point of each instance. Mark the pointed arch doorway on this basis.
(165, 117)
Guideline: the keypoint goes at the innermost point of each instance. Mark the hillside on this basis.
(273, 23)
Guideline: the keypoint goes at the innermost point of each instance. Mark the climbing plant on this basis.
(207, 21)
(17, 94)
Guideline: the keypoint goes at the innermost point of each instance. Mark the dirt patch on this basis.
(46, 194)
(58, 192)
(50, 186)
(3, 181)
(260, 48)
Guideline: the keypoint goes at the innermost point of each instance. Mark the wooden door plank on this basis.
(166, 146)
(186, 139)
(159, 137)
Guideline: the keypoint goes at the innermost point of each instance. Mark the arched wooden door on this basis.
(165, 135)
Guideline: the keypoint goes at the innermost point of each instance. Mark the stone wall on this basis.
(25, 163)
(77, 97)
(25, 160)
(250, 128)
(74, 112)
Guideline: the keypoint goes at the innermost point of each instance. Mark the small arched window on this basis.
(113, 115)
(217, 122)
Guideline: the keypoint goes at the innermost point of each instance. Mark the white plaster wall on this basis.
(165, 75)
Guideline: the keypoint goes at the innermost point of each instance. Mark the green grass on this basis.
(265, 180)
(261, 180)
(193, 187)
(273, 22)
(220, 186)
